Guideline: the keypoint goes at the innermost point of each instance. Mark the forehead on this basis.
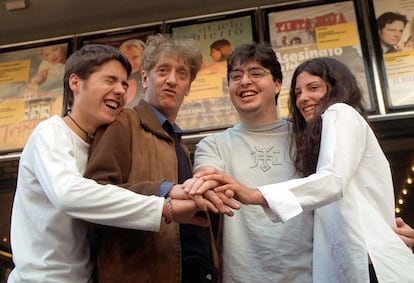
(307, 78)
(171, 61)
(395, 24)
(248, 64)
(110, 68)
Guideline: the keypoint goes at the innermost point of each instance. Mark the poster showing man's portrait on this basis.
(208, 105)
(329, 30)
(31, 90)
(395, 33)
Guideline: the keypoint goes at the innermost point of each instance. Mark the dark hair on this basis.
(224, 46)
(342, 88)
(261, 53)
(159, 45)
(389, 17)
(88, 60)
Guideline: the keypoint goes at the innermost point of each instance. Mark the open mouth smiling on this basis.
(247, 94)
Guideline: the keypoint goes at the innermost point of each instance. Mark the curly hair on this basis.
(342, 88)
(164, 45)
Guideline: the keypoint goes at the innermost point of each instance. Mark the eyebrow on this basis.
(115, 78)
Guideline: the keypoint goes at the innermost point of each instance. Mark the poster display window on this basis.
(31, 89)
(208, 105)
(298, 34)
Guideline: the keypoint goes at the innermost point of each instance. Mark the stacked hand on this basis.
(210, 179)
(186, 207)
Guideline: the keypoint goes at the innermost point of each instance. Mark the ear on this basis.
(74, 83)
(144, 79)
(278, 86)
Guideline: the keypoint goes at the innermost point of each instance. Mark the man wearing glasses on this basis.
(256, 152)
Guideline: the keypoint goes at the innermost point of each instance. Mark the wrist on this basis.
(257, 198)
(168, 210)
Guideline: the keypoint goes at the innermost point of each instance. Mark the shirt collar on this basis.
(162, 119)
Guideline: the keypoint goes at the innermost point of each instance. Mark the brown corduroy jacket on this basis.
(136, 153)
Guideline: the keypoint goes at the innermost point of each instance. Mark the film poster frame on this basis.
(24, 103)
(319, 29)
(208, 106)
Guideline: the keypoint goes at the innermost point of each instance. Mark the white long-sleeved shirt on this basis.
(53, 201)
(353, 197)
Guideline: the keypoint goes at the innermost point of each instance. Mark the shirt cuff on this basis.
(165, 188)
(283, 204)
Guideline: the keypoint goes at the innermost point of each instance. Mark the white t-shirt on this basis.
(254, 249)
(48, 237)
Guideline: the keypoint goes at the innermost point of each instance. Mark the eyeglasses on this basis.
(254, 74)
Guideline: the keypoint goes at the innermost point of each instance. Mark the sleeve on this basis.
(110, 160)
(56, 169)
(343, 139)
(207, 154)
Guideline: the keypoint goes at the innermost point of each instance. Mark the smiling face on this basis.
(167, 83)
(254, 98)
(309, 90)
(101, 97)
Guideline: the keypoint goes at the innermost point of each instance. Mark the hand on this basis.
(204, 204)
(195, 185)
(177, 192)
(198, 184)
(231, 186)
(409, 45)
(405, 232)
(184, 212)
(31, 86)
(220, 202)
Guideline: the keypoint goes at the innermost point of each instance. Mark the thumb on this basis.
(399, 221)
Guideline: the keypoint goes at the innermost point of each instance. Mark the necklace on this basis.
(90, 136)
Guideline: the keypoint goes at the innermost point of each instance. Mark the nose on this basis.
(172, 78)
(120, 88)
(245, 79)
(302, 96)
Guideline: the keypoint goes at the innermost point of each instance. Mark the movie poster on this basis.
(329, 30)
(208, 105)
(395, 23)
(31, 90)
(131, 45)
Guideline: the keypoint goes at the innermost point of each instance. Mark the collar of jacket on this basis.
(149, 120)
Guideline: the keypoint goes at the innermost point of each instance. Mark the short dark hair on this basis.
(224, 46)
(389, 17)
(261, 53)
(88, 60)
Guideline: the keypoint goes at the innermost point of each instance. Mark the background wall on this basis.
(44, 19)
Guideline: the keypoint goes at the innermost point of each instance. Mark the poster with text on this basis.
(329, 30)
(208, 105)
(31, 90)
(132, 45)
(395, 26)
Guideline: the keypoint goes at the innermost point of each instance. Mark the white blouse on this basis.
(353, 198)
